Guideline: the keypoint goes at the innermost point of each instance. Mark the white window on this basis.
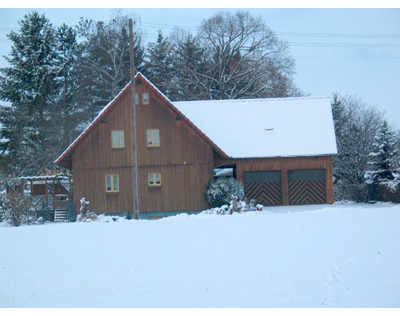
(117, 139)
(112, 183)
(153, 138)
(136, 98)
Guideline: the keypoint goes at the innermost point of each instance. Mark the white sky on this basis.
(354, 51)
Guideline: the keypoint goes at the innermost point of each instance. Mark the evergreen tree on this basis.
(105, 60)
(69, 112)
(384, 159)
(356, 125)
(28, 84)
(41, 86)
(187, 63)
(158, 64)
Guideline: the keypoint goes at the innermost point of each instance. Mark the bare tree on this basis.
(244, 59)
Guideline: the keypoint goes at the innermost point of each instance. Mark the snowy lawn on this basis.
(306, 256)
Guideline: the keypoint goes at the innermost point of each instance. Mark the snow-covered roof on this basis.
(252, 128)
(66, 153)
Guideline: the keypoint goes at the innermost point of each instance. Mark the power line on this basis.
(341, 44)
(339, 35)
(346, 57)
(302, 34)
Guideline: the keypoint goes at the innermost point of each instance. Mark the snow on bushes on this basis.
(235, 206)
(222, 190)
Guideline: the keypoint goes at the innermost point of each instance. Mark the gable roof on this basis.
(246, 128)
(61, 160)
(255, 128)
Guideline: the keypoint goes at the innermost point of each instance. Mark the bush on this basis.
(221, 191)
(14, 209)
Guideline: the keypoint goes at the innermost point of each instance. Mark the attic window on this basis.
(145, 98)
(117, 139)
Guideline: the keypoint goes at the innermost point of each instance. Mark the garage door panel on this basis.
(307, 186)
(264, 186)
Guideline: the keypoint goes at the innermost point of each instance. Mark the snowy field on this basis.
(307, 256)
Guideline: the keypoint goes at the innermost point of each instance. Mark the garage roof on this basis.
(255, 128)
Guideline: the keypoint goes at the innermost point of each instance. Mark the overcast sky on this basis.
(349, 51)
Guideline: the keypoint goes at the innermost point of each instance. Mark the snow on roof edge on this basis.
(287, 156)
(255, 100)
(93, 122)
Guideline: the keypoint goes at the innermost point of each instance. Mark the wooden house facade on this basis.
(175, 162)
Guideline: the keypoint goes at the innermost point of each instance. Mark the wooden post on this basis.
(135, 162)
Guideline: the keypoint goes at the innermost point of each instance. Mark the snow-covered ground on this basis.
(306, 256)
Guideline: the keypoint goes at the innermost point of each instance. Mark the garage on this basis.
(264, 186)
(280, 149)
(287, 187)
(307, 186)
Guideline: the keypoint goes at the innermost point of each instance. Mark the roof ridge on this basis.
(256, 99)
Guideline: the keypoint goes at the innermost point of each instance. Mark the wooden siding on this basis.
(94, 158)
(285, 165)
(184, 160)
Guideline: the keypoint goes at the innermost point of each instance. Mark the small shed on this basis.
(49, 195)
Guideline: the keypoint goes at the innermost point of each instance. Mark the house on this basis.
(281, 149)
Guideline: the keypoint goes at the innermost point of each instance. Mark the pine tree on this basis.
(158, 64)
(384, 158)
(187, 63)
(68, 108)
(105, 61)
(28, 84)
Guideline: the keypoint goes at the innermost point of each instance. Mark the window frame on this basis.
(153, 132)
(154, 176)
(112, 178)
(118, 134)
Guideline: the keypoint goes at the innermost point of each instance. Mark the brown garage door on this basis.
(307, 186)
(264, 186)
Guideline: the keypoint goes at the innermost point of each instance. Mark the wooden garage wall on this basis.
(285, 164)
